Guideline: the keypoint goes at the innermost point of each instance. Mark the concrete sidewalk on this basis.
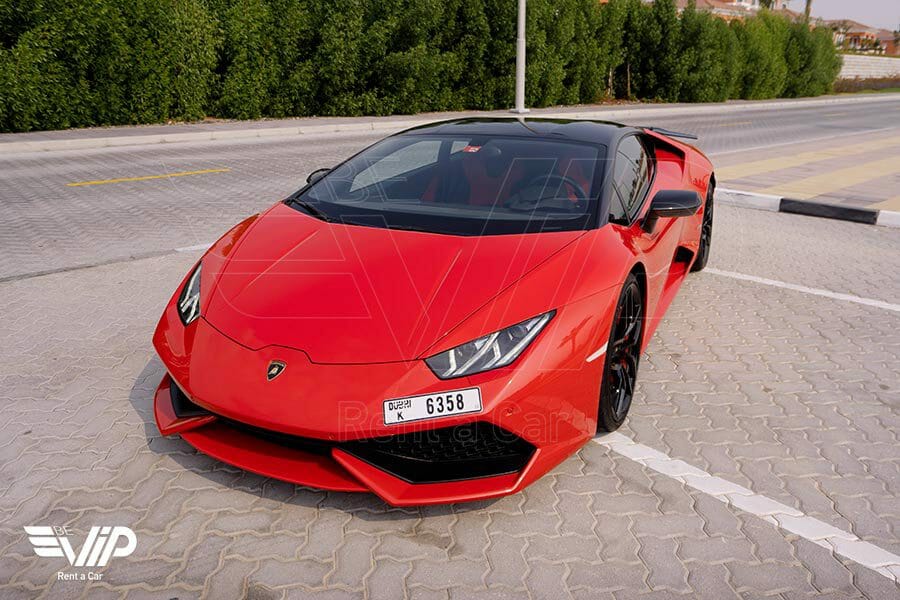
(103, 137)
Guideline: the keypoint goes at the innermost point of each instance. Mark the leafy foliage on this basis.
(67, 63)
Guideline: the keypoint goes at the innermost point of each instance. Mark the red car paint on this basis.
(352, 311)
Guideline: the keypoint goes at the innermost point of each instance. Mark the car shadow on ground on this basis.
(366, 505)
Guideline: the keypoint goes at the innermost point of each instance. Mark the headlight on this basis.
(492, 351)
(189, 300)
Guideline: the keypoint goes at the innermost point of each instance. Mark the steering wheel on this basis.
(531, 196)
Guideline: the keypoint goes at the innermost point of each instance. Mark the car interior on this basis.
(492, 173)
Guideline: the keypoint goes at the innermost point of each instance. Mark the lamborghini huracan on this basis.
(443, 317)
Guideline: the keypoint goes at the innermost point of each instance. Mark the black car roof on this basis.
(595, 132)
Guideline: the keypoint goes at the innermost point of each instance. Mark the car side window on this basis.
(617, 212)
(632, 174)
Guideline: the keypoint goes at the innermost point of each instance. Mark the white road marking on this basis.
(808, 290)
(888, 218)
(193, 248)
(748, 199)
(782, 516)
(600, 352)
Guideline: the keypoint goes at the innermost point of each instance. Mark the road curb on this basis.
(387, 124)
(868, 216)
(202, 136)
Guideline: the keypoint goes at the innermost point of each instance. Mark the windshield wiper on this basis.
(412, 228)
(536, 206)
(311, 209)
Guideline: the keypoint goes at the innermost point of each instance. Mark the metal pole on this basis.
(520, 62)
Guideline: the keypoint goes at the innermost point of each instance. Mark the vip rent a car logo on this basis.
(101, 544)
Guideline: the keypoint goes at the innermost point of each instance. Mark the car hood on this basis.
(352, 294)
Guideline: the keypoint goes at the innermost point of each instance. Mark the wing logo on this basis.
(102, 543)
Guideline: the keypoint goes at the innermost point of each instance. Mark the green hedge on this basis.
(73, 63)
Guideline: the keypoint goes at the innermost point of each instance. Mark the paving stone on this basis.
(766, 578)
(547, 581)
(669, 526)
(307, 573)
(666, 571)
(281, 546)
(828, 573)
(607, 576)
(562, 548)
(577, 514)
(447, 573)
(387, 580)
(507, 562)
(470, 537)
(710, 581)
(715, 550)
(872, 584)
(770, 542)
(200, 561)
(325, 534)
(352, 560)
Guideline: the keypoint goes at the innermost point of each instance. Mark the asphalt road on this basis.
(761, 458)
(47, 225)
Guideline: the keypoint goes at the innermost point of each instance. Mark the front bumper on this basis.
(352, 467)
(322, 425)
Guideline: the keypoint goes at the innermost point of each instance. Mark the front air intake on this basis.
(455, 453)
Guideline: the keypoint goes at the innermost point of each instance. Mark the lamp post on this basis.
(520, 62)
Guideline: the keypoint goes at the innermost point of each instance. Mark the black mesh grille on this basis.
(447, 454)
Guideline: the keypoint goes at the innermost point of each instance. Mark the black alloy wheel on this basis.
(623, 353)
(705, 232)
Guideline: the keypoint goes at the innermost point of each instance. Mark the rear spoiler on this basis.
(674, 134)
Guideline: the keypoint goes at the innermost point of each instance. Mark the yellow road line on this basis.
(735, 124)
(824, 183)
(146, 177)
(891, 204)
(757, 167)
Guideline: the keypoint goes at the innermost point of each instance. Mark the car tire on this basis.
(705, 233)
(623, 354)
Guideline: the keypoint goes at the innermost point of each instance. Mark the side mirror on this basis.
(317, 175)
(671, 203)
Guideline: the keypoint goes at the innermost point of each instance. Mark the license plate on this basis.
(432, 406)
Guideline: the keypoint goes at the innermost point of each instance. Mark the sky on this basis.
(875, 13)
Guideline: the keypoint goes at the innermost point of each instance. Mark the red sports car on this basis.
(443, 317)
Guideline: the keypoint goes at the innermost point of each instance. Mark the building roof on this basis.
(731, 9)
(851, 26)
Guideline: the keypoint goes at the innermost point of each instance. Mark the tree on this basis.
(668, 66)
(709, 56)
(611, 41)
(640, 35)
(248, 62)
(763, 41)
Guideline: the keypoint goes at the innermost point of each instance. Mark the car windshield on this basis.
(462, 185)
